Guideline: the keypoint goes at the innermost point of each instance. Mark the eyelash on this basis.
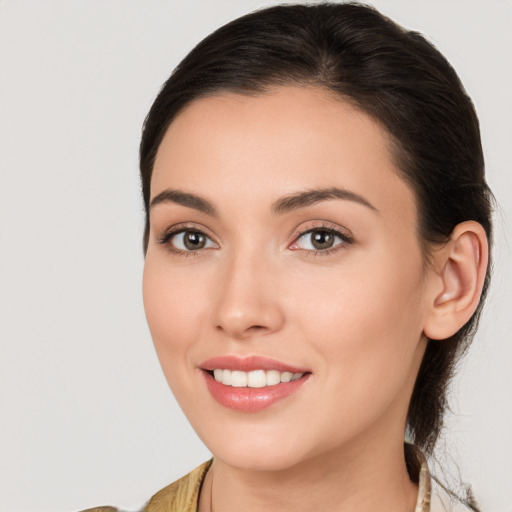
(166, 238)
(344, 237)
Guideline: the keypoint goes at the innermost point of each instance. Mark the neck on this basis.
(364, 478)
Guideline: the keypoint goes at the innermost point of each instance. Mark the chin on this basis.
(257, 449)
(262, 459)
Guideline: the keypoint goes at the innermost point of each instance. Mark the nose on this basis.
(247, 302)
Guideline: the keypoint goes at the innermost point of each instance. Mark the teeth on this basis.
(238, 379)
(286, 376)
(226, 377)
(254, 379)
(273, 377)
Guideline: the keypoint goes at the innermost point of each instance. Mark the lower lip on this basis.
(251, 399)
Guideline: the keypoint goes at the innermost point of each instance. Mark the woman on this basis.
(317, 241)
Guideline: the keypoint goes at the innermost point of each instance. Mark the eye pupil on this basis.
(194, 240)
(322, 239)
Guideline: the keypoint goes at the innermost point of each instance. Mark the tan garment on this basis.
(183, 495)
(180, 496)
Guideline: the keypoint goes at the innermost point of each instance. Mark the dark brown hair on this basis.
(393, 75)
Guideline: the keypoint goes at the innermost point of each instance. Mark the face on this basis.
(284, 284)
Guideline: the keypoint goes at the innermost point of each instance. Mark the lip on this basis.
(248, 364)
(250, 399)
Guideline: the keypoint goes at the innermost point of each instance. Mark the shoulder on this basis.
(442, 501)
(432, 495)
(101, 509)
(180, 496)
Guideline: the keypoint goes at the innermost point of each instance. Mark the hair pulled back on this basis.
(397, 78)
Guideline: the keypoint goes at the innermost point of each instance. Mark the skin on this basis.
(354, 316)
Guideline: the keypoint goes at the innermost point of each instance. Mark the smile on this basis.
(253, 383)
(253, 379)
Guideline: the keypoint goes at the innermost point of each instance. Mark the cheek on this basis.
(367, 332)
(172, 303)
(367, 317)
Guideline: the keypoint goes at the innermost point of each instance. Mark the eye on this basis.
(320, 239)
(187, 240)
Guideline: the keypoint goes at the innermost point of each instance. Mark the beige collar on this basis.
(424, 489)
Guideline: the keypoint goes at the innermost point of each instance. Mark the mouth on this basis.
(251, 384)
(253, 379)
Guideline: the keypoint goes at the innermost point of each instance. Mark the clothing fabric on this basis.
(183, 495)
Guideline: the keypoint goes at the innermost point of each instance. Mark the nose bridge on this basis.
(247, 300)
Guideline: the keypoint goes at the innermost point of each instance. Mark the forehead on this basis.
(287, 139)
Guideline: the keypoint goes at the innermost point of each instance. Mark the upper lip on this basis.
(248, 364)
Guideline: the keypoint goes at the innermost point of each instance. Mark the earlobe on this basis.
(461, 267)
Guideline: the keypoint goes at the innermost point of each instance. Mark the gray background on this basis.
(85, 414)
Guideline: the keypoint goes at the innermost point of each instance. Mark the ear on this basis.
(459, 275)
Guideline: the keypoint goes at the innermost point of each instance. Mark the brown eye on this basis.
(194, 240)
(322, 240)
(190, 240)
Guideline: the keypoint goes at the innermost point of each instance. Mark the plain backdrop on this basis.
(86, 417)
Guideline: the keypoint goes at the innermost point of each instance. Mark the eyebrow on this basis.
(281, 206)
(311, 197)
(184, 199)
